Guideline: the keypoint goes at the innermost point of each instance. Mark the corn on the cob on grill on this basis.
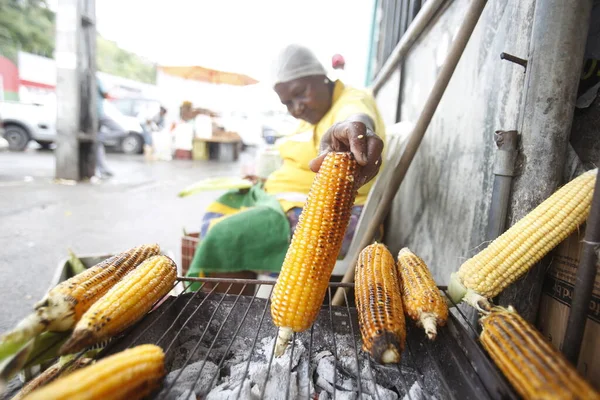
(60, 368)
(129, 375)
(529, 362)
(421, 298)
(303, 281)
(512, 254)
(64, 305)
(128, 301)
(379, 304)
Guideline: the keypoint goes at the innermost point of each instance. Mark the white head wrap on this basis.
(295, 61)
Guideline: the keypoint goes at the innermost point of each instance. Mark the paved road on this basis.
(40, 219)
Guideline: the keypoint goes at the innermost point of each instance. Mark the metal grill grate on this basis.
(220, 335)
(220, 346)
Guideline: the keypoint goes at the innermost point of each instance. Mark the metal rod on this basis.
(212, 345)
(584, 282)
(289, 380)
(413, 32)
(310, 372)
(513, 59)
(377, 395)
(404, 383)
(151, 324)
(187, 320)
(262, 318)
(252, 281)
(237, 330)
(264, 389)
(360, 392)
(456, 50)
(195, 349)
(334, 342)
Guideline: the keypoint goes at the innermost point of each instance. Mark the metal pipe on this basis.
(413, 32)
(584, 282)
(401, 166)
(504, 168)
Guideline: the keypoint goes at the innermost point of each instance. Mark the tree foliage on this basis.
(28, 25)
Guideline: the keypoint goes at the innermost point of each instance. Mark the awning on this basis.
(203, 74)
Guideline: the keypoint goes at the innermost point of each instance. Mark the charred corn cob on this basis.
(302, 283)
(128, 301)
(61, 368)
(534, 368)
(64, 305)
(512, 254)
(421, 298)
(129, 375)
(379, 304)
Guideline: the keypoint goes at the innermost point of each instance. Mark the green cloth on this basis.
(253, 239)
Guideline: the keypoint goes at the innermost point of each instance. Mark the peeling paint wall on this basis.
(441, 209)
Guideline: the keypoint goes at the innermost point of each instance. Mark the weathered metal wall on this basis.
(441, 209)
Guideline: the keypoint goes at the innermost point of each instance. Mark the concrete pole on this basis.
(75, 89)
(560, 29)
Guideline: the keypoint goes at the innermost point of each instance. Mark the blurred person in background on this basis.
(102, 170)
(244, 233)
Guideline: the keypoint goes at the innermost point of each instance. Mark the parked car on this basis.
(124, 133)
(26, 122)
(3, 142)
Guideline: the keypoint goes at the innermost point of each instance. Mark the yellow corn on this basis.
(129, 375)
(421, 298)
(51, 374)
(379, 304)
(302, 283)
(64, 305)
(123, 305)
(512, 254)
(529, 362)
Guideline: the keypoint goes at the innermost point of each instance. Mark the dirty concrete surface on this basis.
(40, 219)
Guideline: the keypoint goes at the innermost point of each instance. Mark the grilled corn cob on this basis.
(304, 278)
(128, 301)
(421, 298)
(534, 368)
(512, 254)
(64, 305)
(59, 369)
(379, 304)
(129, 375)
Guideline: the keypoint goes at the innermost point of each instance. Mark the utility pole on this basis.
(76, 119)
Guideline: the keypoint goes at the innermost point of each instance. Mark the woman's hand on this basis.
(254, 179)
(356, 137)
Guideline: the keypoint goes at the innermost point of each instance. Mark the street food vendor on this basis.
(248, 232)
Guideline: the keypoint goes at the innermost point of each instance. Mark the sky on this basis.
(236, 35)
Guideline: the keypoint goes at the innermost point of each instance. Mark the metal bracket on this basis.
(506, 156)
(513, 59)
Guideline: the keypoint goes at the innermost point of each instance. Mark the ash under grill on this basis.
(220, 346)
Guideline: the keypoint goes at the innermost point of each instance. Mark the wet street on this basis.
(41, 219)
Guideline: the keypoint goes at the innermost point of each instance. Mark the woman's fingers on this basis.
(353, 136)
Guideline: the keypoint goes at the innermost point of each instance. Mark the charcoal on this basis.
(226, 391)
(187, 378)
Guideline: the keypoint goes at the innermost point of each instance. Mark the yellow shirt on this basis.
(291, 182)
